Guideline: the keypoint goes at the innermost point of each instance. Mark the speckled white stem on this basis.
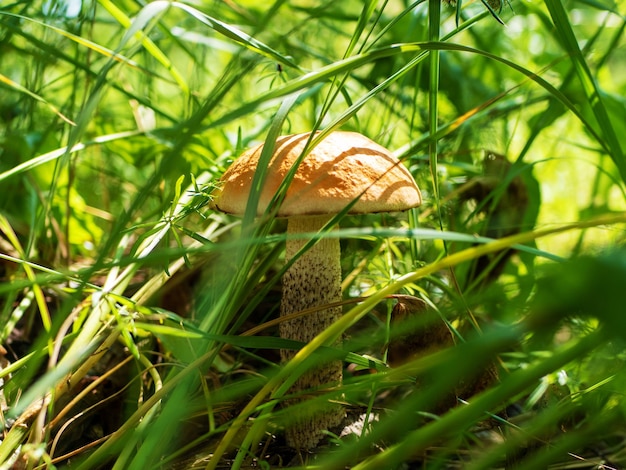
(313, 280)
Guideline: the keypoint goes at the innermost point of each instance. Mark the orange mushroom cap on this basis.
(343, 167)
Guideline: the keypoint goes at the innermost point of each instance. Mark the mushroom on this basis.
(343, 168)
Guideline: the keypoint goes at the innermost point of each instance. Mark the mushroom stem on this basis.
(313, 280)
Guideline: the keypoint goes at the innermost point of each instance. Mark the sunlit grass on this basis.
(140, 325)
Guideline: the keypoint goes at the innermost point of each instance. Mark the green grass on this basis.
(140, 325)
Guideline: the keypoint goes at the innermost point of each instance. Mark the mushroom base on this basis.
(314, 280)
